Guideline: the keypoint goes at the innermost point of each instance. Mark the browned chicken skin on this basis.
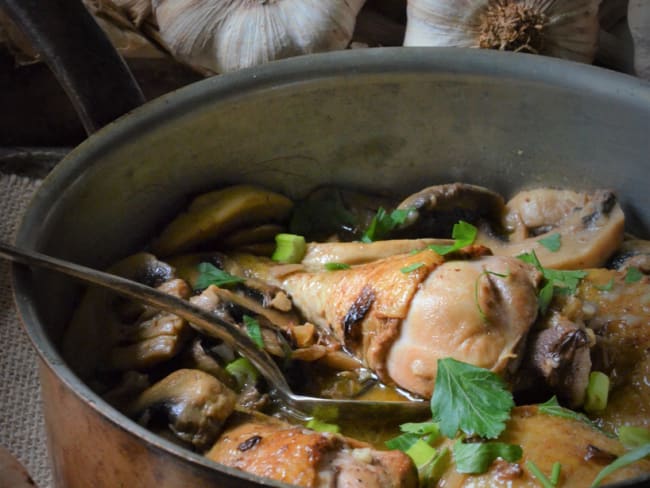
(292, 454)
(402, 313)
(581, 449)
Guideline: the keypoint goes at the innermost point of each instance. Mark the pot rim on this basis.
(299, 70)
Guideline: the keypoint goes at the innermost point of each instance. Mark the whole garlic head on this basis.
(561, 28)
(226, 35)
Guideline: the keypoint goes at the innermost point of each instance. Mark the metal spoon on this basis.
(214, 326)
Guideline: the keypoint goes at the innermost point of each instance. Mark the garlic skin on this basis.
(227, 35)
(562, 28)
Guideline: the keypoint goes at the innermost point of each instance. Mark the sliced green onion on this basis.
(290, 248)
(555, 473)
(320, 426)
(243, 371)
(421, 453)
(552, 242)
(537, 473)
(632, 437)
(597, 392)
(336, 266)
(254, 331)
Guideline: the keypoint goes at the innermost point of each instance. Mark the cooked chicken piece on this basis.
(620, 318)
(581, 449)
(403, 313)
(268, 447)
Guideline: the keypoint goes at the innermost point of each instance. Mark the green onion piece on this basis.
(633, 275)
(597, 392)
(336, 266)
(626, 459)
(632, 437)
(411, 267)
(552, 242)
(537, 473)
(555, 473)
(254, 331)
(320, 426)
(421, 453)
(290, 248)
(243, 371)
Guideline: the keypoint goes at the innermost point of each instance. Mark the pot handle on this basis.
(91, 71)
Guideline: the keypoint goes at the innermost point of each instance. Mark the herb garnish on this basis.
(336, 266)
(463, 234)
(209, 274)
(476, 298)
(625, 460)
(555, 281)
(541, 477)
(633, 275)
(411, 267)
(254, 331)
(471, 399)
(476, 457)
(553, 242)
(320, 426)
(553, 407)
(382, 223)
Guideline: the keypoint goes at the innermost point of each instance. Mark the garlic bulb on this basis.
(638, 19)
(562, 28)
(226, 35)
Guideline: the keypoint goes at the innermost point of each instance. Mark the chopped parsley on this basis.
(463, 233)
(553, 407)
(382, 223)
(411, 267)
(555, 280)
(254, 331)
(633, 275)
(336, 266)
(470, 399)
(476, 457)
(209, 274)
(553, 242)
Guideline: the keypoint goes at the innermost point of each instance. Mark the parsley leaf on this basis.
(633, 275)
(471, 399)
(555, 280)
(626, 459)
(553, 242)
(209, 274)
(476, 457)
(382, 223)
(254, 331)
(552, 407)
(463, 234)
(412, 267)
(336, 266)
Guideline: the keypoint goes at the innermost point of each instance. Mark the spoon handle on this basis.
(206, 322)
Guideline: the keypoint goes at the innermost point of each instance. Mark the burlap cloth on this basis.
(22, 429)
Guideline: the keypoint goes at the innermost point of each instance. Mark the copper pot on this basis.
(389, 119)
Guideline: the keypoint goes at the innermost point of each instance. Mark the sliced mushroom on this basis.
(98, 323)
(633, 253)
(213, 214)
(321, 253)
(195, 404)
(589, 226)
(436, 209)
(559, 352)
(197, 357)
